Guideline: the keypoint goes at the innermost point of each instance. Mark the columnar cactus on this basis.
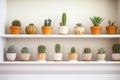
(63, 23)
(116, 48)
(57, 48)
(24, 50)
(11, 49)
(16, 23)
(41, 49)
(47, 22)
(73, 50)
(87, 50)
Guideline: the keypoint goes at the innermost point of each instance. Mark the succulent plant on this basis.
(87, 50)
(31, 24)
(16, 23)
(96, 20)
(47, 22)
(79, 24)
(63, 23)
(110, 23)
(73, 50)
(57, 48)
(11, 49)
(116, 48)
(24, 50)
(41, 49)
(101, 51)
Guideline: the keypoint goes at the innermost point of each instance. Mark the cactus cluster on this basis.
(116, 48)
(110, 23)
(41, 49)
(87, 50)
(101, 51)
(24, 50)
(63, 23)
(16, 23)
(79, 24)
(11, 49)
(73, 50)
(47, 22)
(58, 48)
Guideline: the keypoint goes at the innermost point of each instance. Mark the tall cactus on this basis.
(57, 48)
(87, 50)
(16, 23)
(63, 23)
(73, 50)
(116, 48)
(41, 49)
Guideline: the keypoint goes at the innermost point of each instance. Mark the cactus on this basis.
(110, 23)
(63, 23)
(47, 22)
(101, 51)
(24, 50)
(57, 48)
(73, 50)
(78, 24)
(116, 48)
(11, 49)
(41, 49)
(87, 50)
(31, 24)
(16, 23)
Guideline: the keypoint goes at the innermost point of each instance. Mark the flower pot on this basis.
(111, 29)
(58, 57)
(15, 30)
(63, 30)
(11, 56)
(87, 56)
(116, 56)
(96, 30)
(25, 56)
(47, 30)
(41, 56)
(79, 30)
(101, 57)
(73, 56)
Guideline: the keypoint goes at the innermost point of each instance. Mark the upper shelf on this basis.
(60, 36)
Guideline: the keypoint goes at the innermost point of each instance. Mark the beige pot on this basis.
(58, 56)
(101, 57)
(116, 56)
(87, 56)
(79, 30)
(63, 30)
(73, 56)
(41, 56)
(25, 56)
(11, 56)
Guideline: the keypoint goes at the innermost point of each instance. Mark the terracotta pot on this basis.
(11, 56)
(96, 30)
(47, 30)
(111, 29)
(63, 30)
(87, 56)
(25, 56)
(15, 30)
(58, 56)
(79, 30)
(116, 56)
(73, 56)
(41, 56)
(101, 57)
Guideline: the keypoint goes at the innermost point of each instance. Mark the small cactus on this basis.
(47, 22)
(57, 48)
(73, 50)
(101, 51)
(116, 48)
(63, 23)
(41, 49)
(24, 50)
(11, 49)
(31, 24)
(16, 23)
(87, 50)
(110, 23)
(78, 24)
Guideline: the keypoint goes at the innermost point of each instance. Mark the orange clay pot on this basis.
(15, 30)
(96, 30)
(47, 29)
(111, 29)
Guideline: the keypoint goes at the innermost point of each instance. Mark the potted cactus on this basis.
(58, 55)
(73, 56)
(63, 29)
(111, 28)
(79, 29)
(116, 52)
(87, 55)
(47, 28)
(101, 54)
(11, 54)
(96, 29)
(41, 56)
(16, 27)
(31, 29)
(25, 55)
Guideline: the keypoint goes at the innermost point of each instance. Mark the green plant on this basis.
(78, 24)
(87, 50)
(57, 48)
(96, 20)
(47, 22)
(11, 49)
(63, 23)
(41, 49)
(24, 50)
(101, 51)
(16, 23)
(31, 24)
(116, 48)
(73, 50)
(110, 23)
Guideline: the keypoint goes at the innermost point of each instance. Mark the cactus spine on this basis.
(57, 48)
(24, 50)
(11, 49)
(87, 50)
(41, 49)
(16, 23)
(116, 48)
(63, 23)
(47, 22)
(73, 50)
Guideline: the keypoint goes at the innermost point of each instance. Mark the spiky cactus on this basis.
(11, 49)
(63, 23)
(116, 48)
(24, 50)
(110, 23)
(47, 22)
(58, 48)
(41, 49)
(16, 23)
(101, 51)
(87, 50)
(73, 50)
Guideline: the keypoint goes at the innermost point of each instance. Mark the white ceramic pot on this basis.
(11, 56)
(25, 56)
(116, 56)
(79, 30)
(58, 56)
(63, 30)
(101, 57)
(87, 56)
